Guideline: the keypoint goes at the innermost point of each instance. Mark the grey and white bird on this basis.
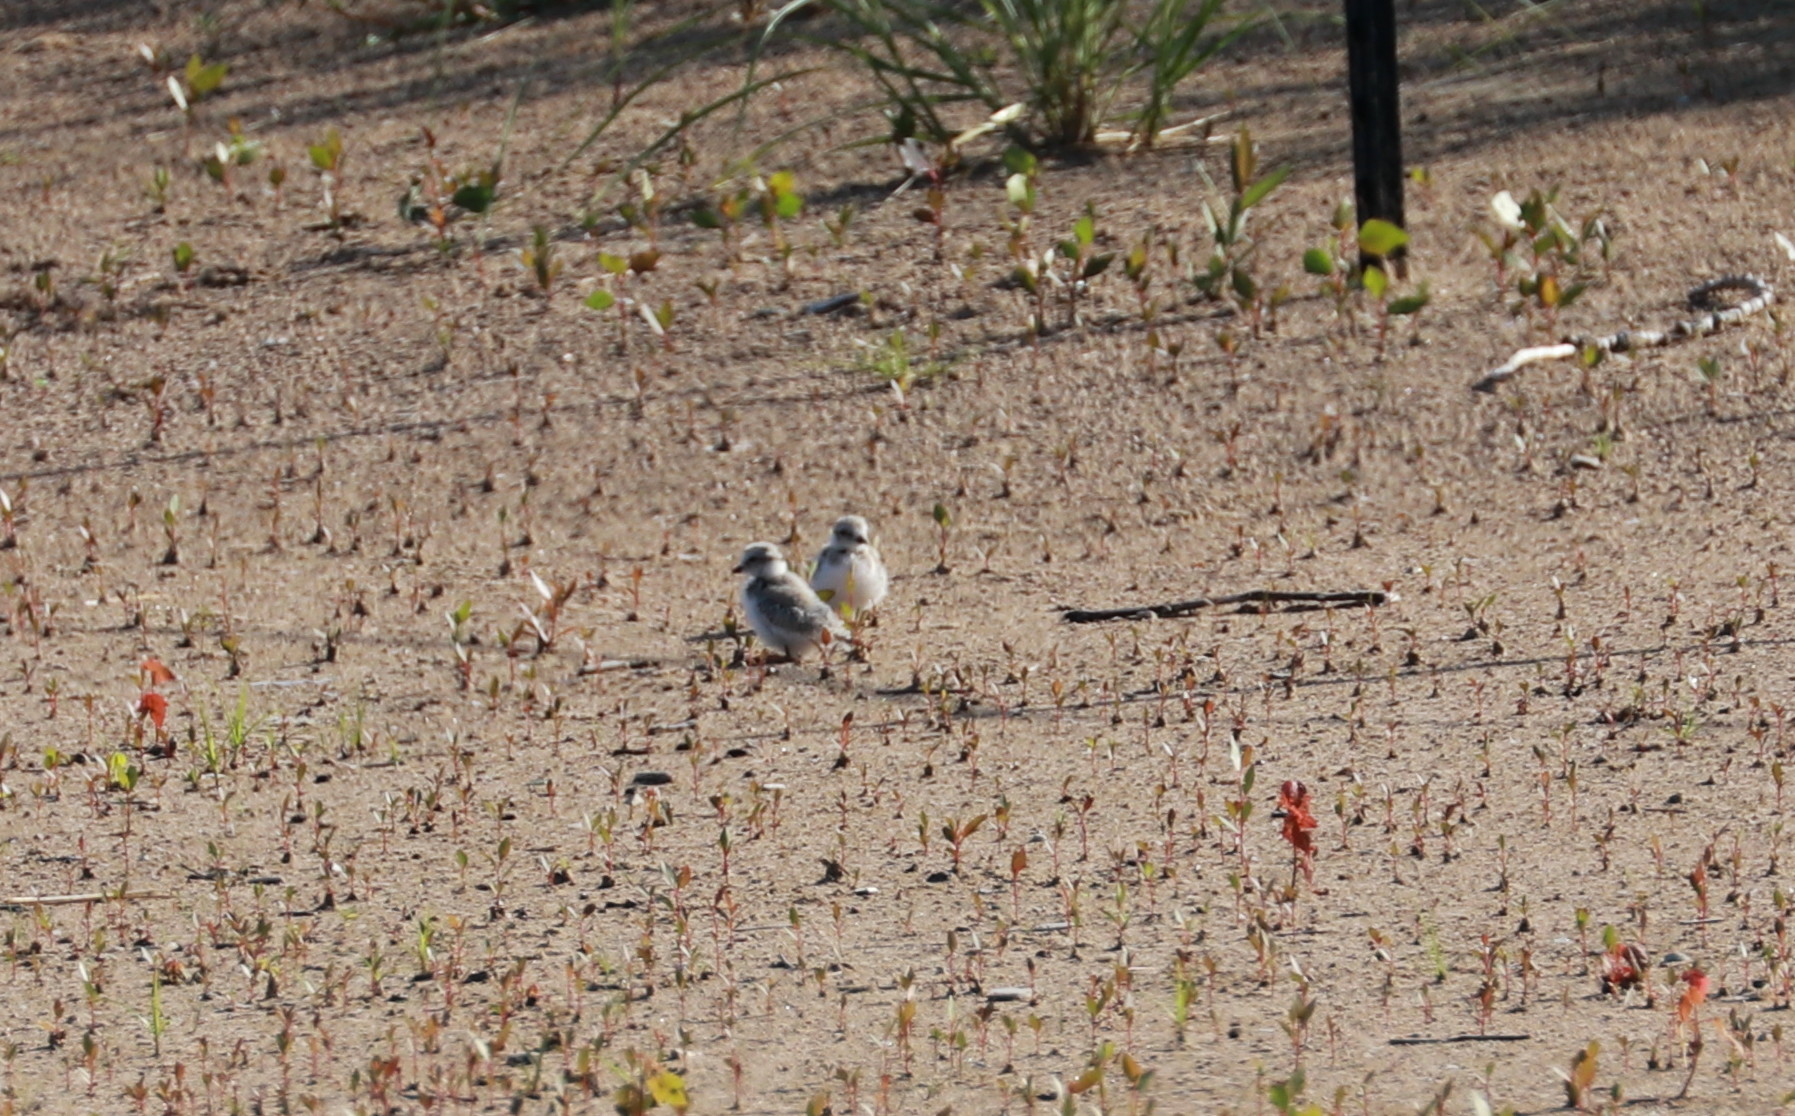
(786, 614)
(850, 576)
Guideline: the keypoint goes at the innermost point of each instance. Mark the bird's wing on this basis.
(790, 605)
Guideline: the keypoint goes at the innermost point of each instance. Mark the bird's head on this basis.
(761, 559)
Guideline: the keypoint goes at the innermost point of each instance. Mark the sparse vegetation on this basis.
(381, 733)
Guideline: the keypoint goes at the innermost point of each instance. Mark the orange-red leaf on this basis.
(1693, 995)
(157, 672)
(155, 707)
(1293, 799)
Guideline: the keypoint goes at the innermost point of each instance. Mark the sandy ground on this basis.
(467, 799)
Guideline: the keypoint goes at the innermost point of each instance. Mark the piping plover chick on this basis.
(784, 612)
(849, 574)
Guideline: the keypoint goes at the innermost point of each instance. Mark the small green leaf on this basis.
(1411, 304)
(616, 265)
(707, 218)
(326, 155)
(1256, 193)
(1136, 264)
(183, 254)
(1084, 230)
(942, 519)
(1375, 281)
(664, 314)
(789, 205)
(203, 79)
(601, 299)
(1378, 237)
(1241, 161)
(1097, 265)
(474, 199)
(1020, 191)
(1016, 160)
(1317, 261)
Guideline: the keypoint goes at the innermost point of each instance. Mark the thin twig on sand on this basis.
(1368, 597)
(78, 897)
(1417, 1040)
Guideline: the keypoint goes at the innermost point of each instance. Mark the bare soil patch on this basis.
(466, 800)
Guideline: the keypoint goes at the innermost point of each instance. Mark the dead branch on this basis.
(1262, 597)
(79, 897)
(1417, 1040)
(1701, 298)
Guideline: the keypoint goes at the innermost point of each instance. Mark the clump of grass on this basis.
(1064, 63)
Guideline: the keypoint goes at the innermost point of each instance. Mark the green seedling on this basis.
(893, 362)
(1333, 262)
(779, 201)
(838, 225)
(197, 81)
(644, 213)
(183, 261)
(1711, 374)
(539, 260)
(944, 523)
(327, 159)
(1086, 264)
(1555, 268)
(156, 189)
(725, 215)
(1033, 271)
(1382, 239)
(617, 269)
(1579, 1080)
(1228, 272)
(238, 151)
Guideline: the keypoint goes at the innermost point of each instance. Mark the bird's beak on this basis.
(737, 568)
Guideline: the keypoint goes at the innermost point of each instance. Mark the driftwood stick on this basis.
(1416, 1040)
(1370, 597)
(79, 897)
(1758, 296)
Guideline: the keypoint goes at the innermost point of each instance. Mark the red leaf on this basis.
(1293, 799)
(1693, 995)
(155, 707)
(158, 673)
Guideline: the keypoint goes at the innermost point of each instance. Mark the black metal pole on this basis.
(1376, 112)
